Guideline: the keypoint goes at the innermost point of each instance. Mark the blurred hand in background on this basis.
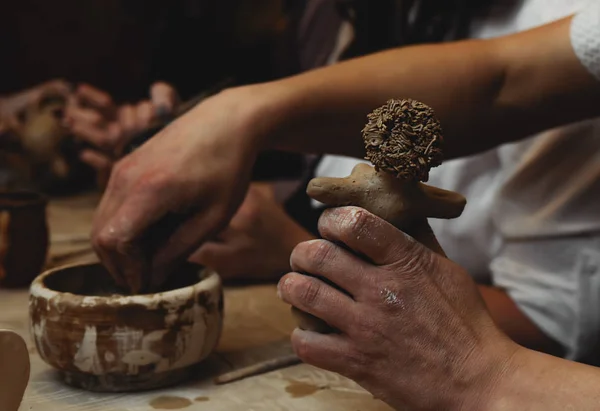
(13, 105)
(93, 117)
(257, 243)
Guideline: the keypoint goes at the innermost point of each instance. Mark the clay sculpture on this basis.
(101, 339)
(403, 139)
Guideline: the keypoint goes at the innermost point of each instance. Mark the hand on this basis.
(11, 106)
(177, 190)
(93, 117)
(258, 241)
(413, 328)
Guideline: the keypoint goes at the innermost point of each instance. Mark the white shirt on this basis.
(532, 222)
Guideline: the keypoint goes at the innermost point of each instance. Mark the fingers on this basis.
(118, 227)
(144, 113)
(325, 259)
(188, 235)
(313, 296)
(333, 352)
(77, 114)
(90, 96)
(97, 160)
(58, 86)
(127, 119)
(367, 235)
(164, 98)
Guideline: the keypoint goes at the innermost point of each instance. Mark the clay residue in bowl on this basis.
(94, 280)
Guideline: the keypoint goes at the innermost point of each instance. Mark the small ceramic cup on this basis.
(101, 340)
(23, 237)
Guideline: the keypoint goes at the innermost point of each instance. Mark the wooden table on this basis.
(257, 326)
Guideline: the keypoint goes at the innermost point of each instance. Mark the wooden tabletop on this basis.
(257, 327)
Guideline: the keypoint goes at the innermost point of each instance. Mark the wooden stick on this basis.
(257, 369)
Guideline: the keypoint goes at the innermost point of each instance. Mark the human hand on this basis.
(413, 328)
(258, 241)
(93, 117)
(177, 190)
(13, 105)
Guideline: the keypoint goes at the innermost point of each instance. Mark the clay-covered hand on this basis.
(177, 190)
(13, 105)
(405, 203)
(258, 241)
(93, 117)
(413, 329)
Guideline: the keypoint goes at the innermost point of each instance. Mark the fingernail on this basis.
(281, 284)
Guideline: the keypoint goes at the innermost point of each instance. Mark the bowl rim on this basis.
(38, 289)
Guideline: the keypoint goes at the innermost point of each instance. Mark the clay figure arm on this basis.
(414, 330)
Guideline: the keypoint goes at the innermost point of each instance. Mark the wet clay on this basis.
(120, 343)
(403, 139)
(299, 389)
(170, 403)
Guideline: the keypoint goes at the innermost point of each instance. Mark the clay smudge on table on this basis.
(170, 403)
(299, 389)
(201, 399)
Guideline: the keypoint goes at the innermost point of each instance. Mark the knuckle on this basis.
(354, 221)
(364, 328)
(119, 176)
(320, 252)
(121, 170)
(104, 240)
(307, 289)
(414, 260)
(358, 365)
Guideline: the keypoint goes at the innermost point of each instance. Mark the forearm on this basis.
(537, 381)
(484, 92)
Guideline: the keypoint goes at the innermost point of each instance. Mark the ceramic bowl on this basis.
(101, 340)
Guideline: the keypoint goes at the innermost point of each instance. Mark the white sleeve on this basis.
(585, 37)
(556, 283)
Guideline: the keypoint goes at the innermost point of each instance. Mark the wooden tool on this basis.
(14, 370)
(258, 368)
